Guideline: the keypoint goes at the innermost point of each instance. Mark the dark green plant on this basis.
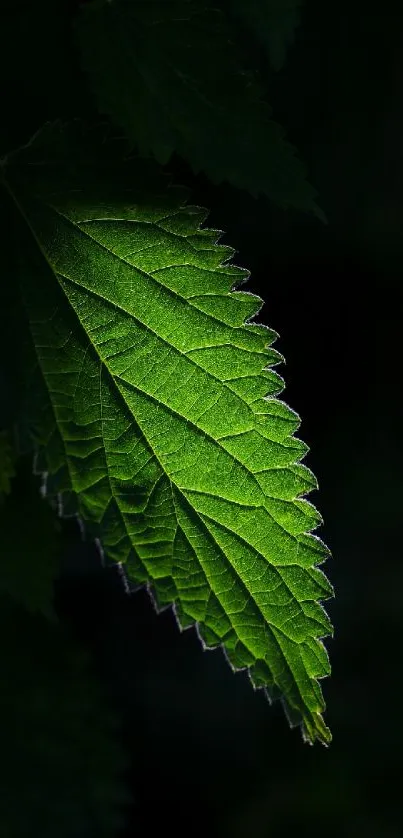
(149, 395)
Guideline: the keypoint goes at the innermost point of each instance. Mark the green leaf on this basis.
(171, 75)
(273, 22)
(162, 423)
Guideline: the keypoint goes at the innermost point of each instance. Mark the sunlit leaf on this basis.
(161, 423)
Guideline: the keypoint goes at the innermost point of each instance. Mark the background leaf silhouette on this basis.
(7, 463)
(28, 559)
(273, 22)
(62, 768)
(172, 75)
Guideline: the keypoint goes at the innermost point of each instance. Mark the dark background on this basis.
(207, 755)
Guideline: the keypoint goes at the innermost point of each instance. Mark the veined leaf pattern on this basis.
(163, 422)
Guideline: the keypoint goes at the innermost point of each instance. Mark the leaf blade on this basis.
(168, 458)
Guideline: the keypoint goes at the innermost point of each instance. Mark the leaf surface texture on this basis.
(159, 421)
